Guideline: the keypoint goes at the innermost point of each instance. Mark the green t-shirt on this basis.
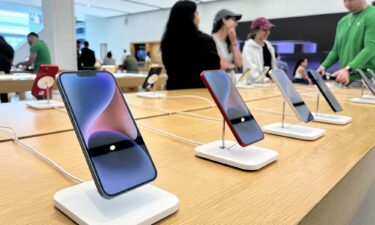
(42, 52)
(355, 42)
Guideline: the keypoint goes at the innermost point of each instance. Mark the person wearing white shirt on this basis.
(257, 51)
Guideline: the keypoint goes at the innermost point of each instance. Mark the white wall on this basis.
(150, 26)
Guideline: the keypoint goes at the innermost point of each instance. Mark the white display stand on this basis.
(45, 83)
(151, 81)
(45, 104)
(332, 119)
(294, 131)
(363, 100)
(246, 158)
(368, 96)
(329, 118)
(152, 94)
(232, 154)
(144, 205)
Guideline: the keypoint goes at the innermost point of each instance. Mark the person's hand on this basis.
(232, 36)
(321, 70)
(342, 76)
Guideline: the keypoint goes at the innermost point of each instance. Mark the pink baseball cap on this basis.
(261, 22)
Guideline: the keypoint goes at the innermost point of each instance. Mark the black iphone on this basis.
(326, 92)
(148, 83)
(111, 142)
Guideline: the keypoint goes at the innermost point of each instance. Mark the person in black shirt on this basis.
(186, 51)
(6, 60)
(87, 57)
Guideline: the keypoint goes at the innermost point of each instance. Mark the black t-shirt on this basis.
(267, 56)
(185, 60)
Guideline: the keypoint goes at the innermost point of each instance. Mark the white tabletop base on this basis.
(363, 100)
(150, 95)
(331, 119)
(246, 158)
(294, 131)
(368, 96)
(144, 205)
(44, 104)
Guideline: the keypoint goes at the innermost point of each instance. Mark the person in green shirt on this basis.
(354, 46)
(39, 52)
(130, 64)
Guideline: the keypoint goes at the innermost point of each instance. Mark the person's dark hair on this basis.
(109, 54)
(217, 26)
(252, 33)
(149, 54)
(180, 27)
(86, 44)
(373, 3)
(298, 63)
(33, 34)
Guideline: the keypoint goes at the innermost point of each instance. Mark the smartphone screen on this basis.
(326, 92)
(234, 110)
(153, 70)
(44, 81)
(113, 147)
(291, 95)
(367, 82)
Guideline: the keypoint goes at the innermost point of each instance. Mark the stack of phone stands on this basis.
(242, 124)
(149, 84)
(370, 84)
(116, 154)
(43, 86)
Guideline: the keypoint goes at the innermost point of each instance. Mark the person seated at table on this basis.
(186, 51)
(225, 36)
(258, 52)
(6, 59)
(130, 64)
(299, 72)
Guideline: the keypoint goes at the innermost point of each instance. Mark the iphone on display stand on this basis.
(241, 123)
(115, 152)
(294, 100)
(43, 86)
(330, 99)
(149, 84)
(366, 82)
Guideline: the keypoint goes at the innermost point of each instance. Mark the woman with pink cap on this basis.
(257, 51)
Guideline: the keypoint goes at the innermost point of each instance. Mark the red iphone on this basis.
(233, 108)
(45, 79)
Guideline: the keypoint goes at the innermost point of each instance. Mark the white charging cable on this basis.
(42, 157)
(196, 143)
